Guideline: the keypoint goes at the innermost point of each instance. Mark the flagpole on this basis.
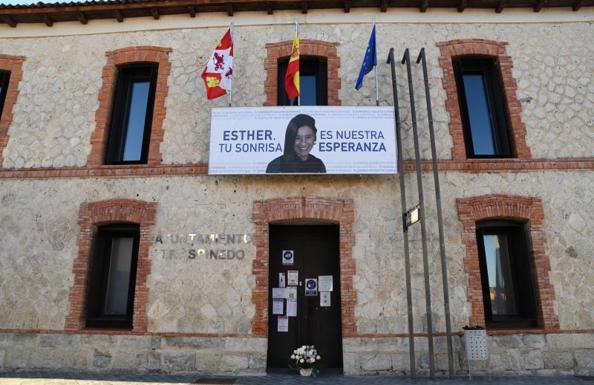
(375, 68)
(233, 45)
(297, 33)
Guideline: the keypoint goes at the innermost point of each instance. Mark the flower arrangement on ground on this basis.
(305, 359)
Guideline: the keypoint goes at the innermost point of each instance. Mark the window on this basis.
(313, 81)
(4, 78)
(482, 108)
(132, 115)
(507, 280)
(112, 277)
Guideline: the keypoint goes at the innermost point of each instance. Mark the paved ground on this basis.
(45, 378)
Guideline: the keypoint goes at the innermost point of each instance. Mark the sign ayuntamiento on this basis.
(302, 140)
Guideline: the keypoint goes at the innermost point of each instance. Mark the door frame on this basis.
(304, 210)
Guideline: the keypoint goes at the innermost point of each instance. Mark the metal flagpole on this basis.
(444, 271)
(411, 336)
(413, 113)
(297, 33)
(233, 45)
(375, 68)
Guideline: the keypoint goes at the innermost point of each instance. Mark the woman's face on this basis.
(304, 142)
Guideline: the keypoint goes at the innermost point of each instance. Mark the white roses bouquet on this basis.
(306, 357)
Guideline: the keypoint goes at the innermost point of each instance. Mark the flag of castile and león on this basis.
(292, 75)
(218, 73)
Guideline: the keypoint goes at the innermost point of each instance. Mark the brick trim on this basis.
(340, 211)
(307, 47)
(527, 209)
(103, 114)
(92, 215)
(13, 64)
(480, 47)
(473, 166)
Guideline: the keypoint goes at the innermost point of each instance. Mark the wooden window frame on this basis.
(98, 275)
(114, 149)
(318, 65)
(452, 49)
(4, 82)
(307, 47)
(489, 68)
(522, 275)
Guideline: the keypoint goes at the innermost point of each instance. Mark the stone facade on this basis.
(202, 313)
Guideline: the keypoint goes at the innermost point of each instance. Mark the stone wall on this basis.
(528, 354)
(55, 114)
(199, 308)
(132, 353)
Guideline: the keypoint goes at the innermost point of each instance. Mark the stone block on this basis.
(257, 361)
(101, 342)
(153, 361)
(208, 362)
(48, 358)
(134, 342)
(24, 340)
(127, 360)
(101, 360)
(558, 360)
(2, 355)
(400, 362)
(534, 340)
(59, 341)
(570, 341)
(179, 361)
(5, 339)
(376, 362)
(16, 359)
(351, 363)
(508, 342)
(245, 344)
(584, 359)
(532, 359)
(193, 342)
(234, 362)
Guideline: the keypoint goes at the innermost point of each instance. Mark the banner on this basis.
(302, 140)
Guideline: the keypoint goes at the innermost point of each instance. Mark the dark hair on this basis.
(292, 128)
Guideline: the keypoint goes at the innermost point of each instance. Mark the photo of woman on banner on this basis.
(300, 138)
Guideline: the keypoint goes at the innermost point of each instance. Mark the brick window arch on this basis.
(13, 65)
(525, 209)
(307, 47)
(121, 57)
(340, 211)
(479, 47)
(90, 217)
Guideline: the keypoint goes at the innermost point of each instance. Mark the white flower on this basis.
(292, 356)
(301, 360)
(318, 358)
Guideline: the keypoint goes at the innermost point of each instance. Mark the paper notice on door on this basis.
(283, 324)
(325, 300)
(292, 277)
(291, 308)
(288, 257)
(291, 293)
(281, 280)
(278, 306)
(279, 292)
(325, 283)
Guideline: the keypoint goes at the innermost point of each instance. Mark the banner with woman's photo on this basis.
(302, 140)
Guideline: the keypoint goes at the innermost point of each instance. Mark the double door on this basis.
(306, 253)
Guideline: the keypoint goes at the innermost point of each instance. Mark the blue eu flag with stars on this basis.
(369, 61)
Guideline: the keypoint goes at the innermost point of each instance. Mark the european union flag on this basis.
(369, 61)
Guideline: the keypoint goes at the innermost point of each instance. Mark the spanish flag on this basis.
(292, 75)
